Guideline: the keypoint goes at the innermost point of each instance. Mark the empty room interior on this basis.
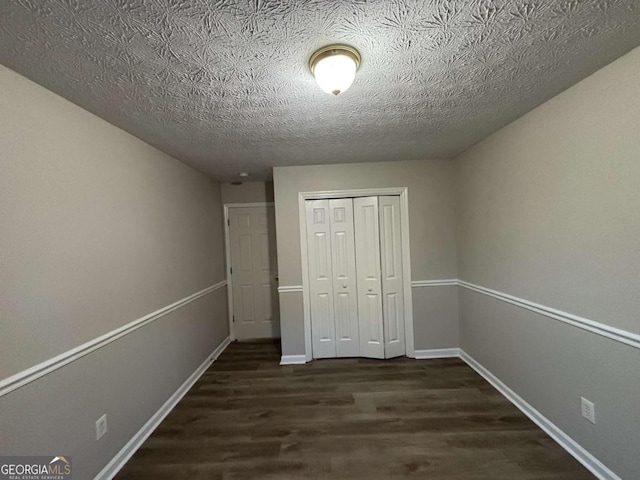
(320, 239)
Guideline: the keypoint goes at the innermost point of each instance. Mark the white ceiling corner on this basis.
(224, 85)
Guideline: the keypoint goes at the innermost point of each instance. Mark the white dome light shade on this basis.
(335, 74)
(335, 67)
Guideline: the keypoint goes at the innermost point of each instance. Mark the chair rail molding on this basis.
(434, 283)
(290, 289)
(619, 335)
(24, 377)
(602, 329)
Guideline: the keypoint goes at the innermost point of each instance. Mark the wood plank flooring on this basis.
(248, 417)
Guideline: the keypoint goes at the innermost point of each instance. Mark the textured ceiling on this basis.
(224, 85)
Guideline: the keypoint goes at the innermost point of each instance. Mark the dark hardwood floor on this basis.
(248, 417)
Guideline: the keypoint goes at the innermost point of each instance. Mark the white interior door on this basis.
(392, 278)
(323, 335)
(253, 272)
(345, 298)
(367, 240)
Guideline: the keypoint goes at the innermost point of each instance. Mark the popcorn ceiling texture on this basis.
(224, 85)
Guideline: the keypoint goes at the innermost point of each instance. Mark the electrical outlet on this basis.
(101, 426)
(588, 410)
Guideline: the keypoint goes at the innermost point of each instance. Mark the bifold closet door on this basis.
(332, 274)
(323, 332)
(345, 298)
(367, 236)
(355, 277)
(392, 278)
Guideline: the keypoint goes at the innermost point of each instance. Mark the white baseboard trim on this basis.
(437, 353)
(293, 359)
(590, 462)
(24, 377)
(121, 458)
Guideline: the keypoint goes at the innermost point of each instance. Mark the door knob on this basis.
(370, 289)
(344, 286)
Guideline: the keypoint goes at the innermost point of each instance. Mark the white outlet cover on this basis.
(588, 410)
(101, 426)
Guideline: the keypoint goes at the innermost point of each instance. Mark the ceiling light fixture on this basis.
(335, 67)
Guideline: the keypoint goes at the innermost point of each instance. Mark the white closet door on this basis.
(367, 236)
(345, 298)
(320, 279)
(392, 278)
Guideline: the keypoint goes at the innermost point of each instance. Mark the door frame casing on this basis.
(227, 253)
(403, 192)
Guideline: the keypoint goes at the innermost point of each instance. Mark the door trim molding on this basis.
(227, 256)
(403, 192)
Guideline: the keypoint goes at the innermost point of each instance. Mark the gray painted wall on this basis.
(432, 235)
(248, 192)
(129, 380)
(435, 314)
(98, 230)
(549, 211)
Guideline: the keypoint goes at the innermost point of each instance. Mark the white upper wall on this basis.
(549, 206)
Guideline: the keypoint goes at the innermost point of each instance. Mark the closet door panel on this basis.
(367, 236)
(323, 334)
(392, 276)
(344, 277)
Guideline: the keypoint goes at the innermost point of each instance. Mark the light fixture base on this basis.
(330, 50)
(335, 67)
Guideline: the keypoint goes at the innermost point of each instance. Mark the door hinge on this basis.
(234, 319)
(231, 270)
(228, 222)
